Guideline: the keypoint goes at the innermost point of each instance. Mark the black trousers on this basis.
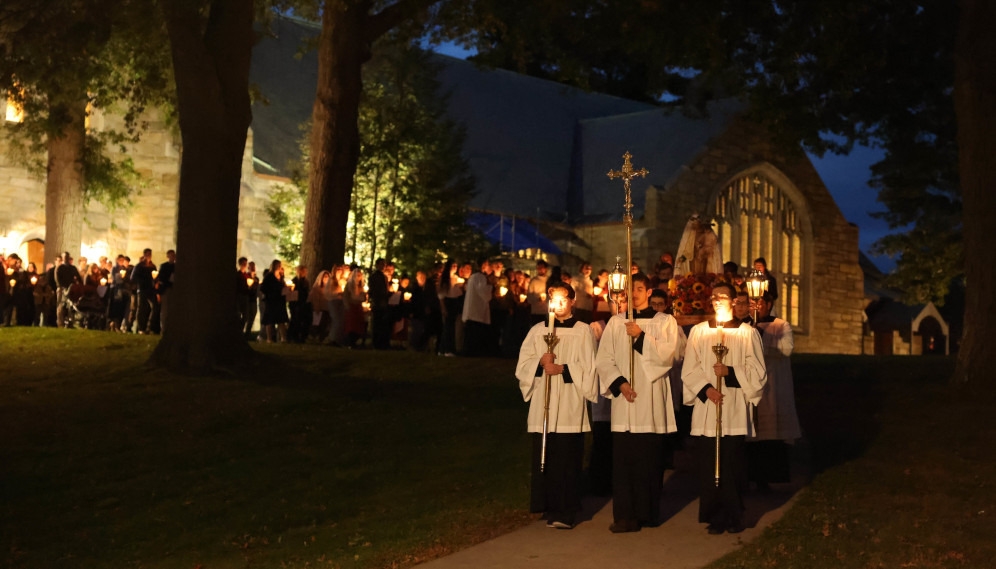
(556, 490)
(724, 505)
(476, 338)
(637, 477)
(380, 322)
(600, 463)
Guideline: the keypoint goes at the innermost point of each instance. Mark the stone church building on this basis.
(540, 153)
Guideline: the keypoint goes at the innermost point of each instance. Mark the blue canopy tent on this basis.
(511, 233)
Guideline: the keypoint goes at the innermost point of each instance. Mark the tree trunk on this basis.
(211, 68)
(335, 135)
(64, 182)
(975, 100)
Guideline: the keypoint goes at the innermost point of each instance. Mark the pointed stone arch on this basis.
(759, 212)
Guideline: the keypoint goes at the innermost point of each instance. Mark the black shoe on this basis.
(715, 529)
(624, 526)
(736, 528)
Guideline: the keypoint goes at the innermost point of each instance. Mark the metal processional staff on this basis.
(627, 173)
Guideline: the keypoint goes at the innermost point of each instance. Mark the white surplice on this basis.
(745, 356)
(568, 410)
(653, 410)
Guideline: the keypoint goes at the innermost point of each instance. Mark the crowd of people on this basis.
(117, 295)
(480, 308)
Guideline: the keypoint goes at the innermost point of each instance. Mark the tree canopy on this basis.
(411, 186)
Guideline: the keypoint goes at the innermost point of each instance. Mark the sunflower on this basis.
(698, 287)
(678, 304)
(697, 305)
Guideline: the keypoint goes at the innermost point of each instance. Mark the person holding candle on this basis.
(275, 307)
(354, 296)
(300, 307)
(743, 376)
(336, 306)
(319, 300)
(570, 370)
(141, 276)
(24, 294)
(380, 315)
(633, 361)
(243, 280)
(66, 276)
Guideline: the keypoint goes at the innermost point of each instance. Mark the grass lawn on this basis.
(318, 458)
(905, 471)
(332, 458)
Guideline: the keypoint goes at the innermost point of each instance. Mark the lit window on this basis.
(13, 112)
(755, 218)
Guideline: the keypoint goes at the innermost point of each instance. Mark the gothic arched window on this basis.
(755, 218)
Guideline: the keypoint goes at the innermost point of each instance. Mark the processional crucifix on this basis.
(627, 173)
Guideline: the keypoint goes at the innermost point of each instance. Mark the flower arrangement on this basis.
(691, 294)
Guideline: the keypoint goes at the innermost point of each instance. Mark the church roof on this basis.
(536, 148)
(520, 135)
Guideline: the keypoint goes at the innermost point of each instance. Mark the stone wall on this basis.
(151, 220)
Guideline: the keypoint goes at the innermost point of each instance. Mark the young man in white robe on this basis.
(642, 408)
(738, 383)
(570, 370)
(777, 422)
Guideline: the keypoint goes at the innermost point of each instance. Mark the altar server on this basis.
(742, 374)
(570, 371)
(642, 405)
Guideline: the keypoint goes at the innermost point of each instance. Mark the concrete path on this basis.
(679, 543)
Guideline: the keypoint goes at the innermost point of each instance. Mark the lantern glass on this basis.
(757, 284)
(617, 279)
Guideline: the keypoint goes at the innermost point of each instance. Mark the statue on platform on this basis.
(698, 251)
